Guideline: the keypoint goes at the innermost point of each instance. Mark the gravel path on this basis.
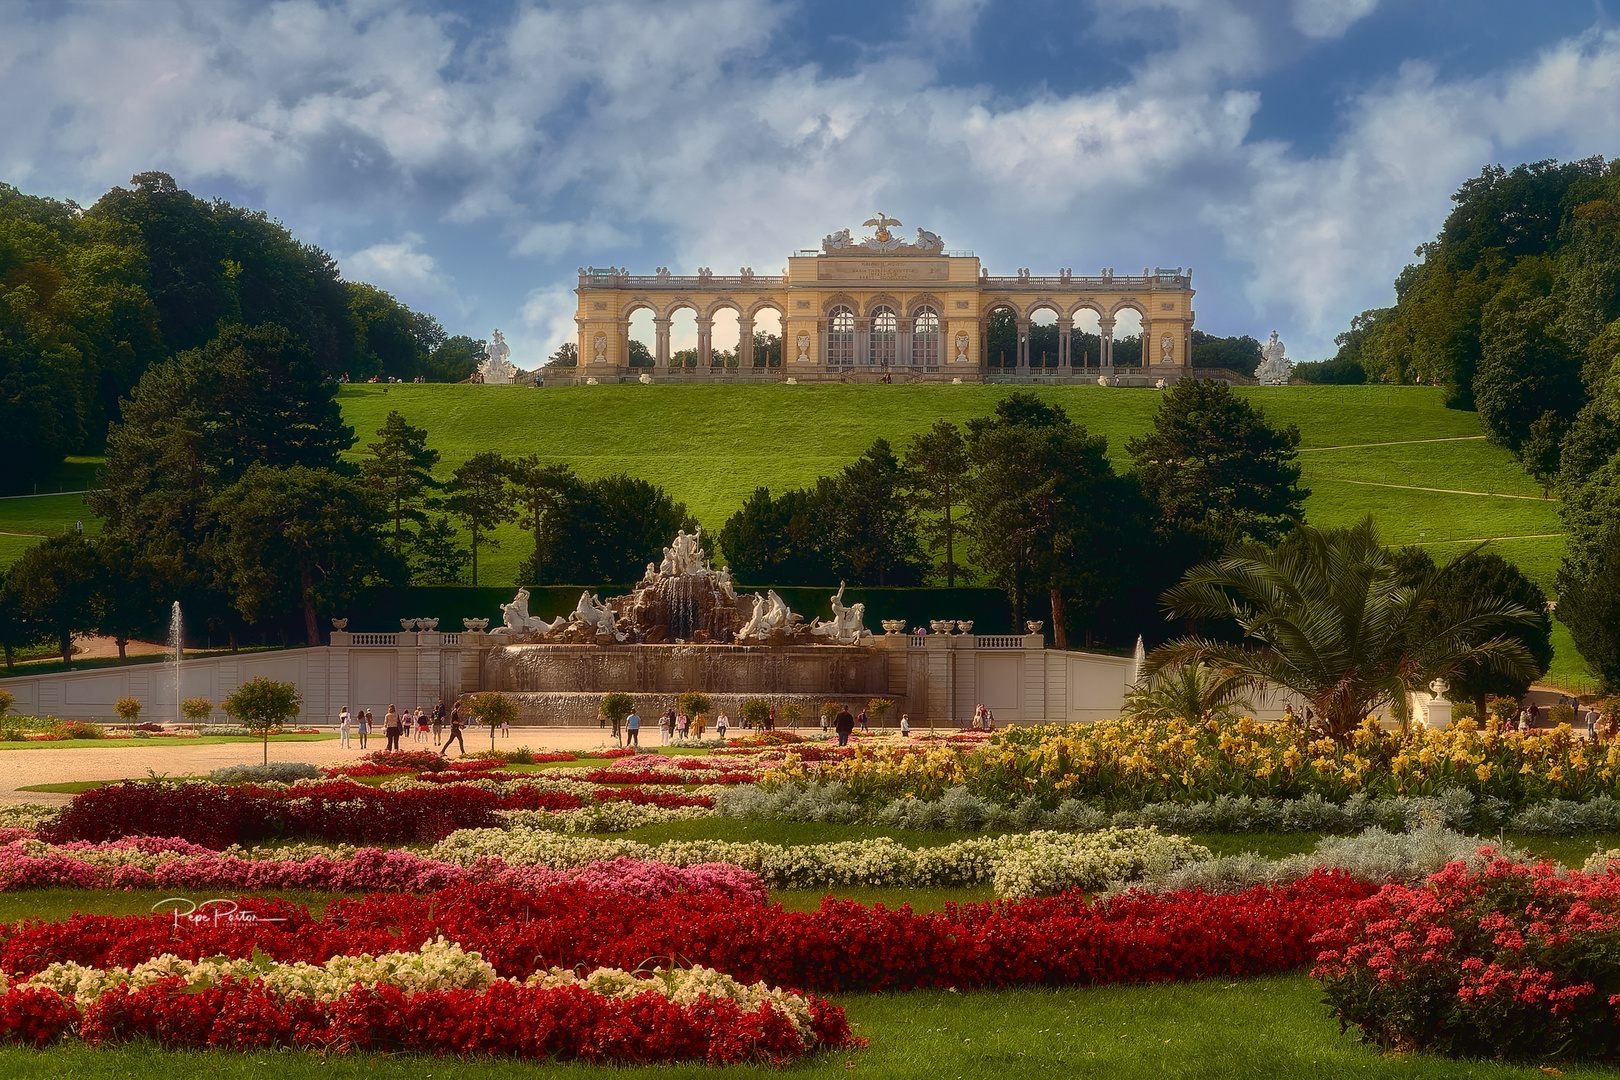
(27, 766)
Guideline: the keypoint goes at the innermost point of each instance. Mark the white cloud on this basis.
(1330, 18)
(545, 322)
(404, 269)
(555, 238)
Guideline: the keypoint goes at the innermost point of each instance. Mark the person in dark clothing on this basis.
(844, 723)
(455, 731)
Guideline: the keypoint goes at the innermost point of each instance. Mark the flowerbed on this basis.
(845, 946)
(438, 999)
(659, 769)
(1031, 864)
(167, 863)
(1513, 962)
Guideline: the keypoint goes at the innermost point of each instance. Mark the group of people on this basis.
(983, 718)
(396, 725)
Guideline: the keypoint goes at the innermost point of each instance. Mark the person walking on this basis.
(422, 725)
(665, 722)
(770, 719)
(700, 722)
(862, 721)
(721, 723)
(343, 728)
(844, 724)
(905, 726)
(455, 732)
(1591, 725)
(365, 726)
(632, 730)
(391, 728)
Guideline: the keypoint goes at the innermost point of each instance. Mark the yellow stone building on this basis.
(860, 310)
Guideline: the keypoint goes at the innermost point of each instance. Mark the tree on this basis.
(454, 360)
(1589, 577)
(1542, 449)
(606, 531)
(1002, 338)
(640, 355)
(1335, 622)
(567, 355)
(1239, 354)
(400, 465)
(1213, 466)
(388, 336)
(1190, 692)
(299, 539)
(614, 708)
(54, 582)
(478, 496)
(767, 350)
(779, 540)
(263, 705)
(1525, 367)
(539, 490)
(1589, 444)
(492, 710)
(126, 598)
(436, 557)
(871, 524)
(938, 466)
(16, 631)
(1464, 582)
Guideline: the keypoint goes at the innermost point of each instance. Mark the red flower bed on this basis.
(617, 752)
(1512, 963)
(415, 760)
(616, 775)
(364, 768)
(843, 947)
(448, 777)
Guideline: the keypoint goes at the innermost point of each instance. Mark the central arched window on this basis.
(840, 337)
(925, 338)
(885, 336)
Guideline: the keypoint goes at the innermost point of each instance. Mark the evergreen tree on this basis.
(1589, 578)
(870, 520)
(607, 530)
(399, 466)
(538, 491)
(1213, 467)
(126, 597)
(437, 557)
(53, 584)
(778, 541)
(479, 497)
(938, 467)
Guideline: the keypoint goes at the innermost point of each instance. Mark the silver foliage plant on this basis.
(1374, 855)
(284, 772)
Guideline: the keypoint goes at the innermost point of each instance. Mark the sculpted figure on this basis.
(598, 616)
(837, 241)
(848, 623)
(517, 619)
(722, 578)
(771, 613)
(927, 241)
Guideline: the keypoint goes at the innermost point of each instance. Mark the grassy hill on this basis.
(1424, 472)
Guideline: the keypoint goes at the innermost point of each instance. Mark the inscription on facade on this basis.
(835, 269)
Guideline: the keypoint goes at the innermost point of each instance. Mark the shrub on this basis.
(879, 707)
(693, 702)
(128, 708)
(615, 707)
(754, 712)
(1464, 710)
(263, 704)
(791, 713)
(7, 700)
(491, 710)
(1506, 962)
(75, 729)
(284, 772)
(197, 709)
(1504, 709)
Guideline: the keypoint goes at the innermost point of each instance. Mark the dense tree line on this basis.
(91, 298)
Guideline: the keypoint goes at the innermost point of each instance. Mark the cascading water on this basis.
(176, 650)
(1137, 660)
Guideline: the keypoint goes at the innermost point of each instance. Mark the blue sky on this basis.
(469, 157)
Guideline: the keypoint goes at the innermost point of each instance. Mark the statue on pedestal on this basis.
(496, 369)
(1275, 367)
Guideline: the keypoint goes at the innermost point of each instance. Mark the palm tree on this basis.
(1190, 692)
(1336, 625)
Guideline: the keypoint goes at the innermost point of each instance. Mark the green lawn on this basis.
(1272, 1026)
(156, 740)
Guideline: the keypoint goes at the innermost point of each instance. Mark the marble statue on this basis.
(684, 557)
(838, 241)
(722, 578)
(496, 369)
(848, 625)
(1275, 367)
(598, 616)
(517, 620)
(771, 614)
(883, 241)
(927, 241)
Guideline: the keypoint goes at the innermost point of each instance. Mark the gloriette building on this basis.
(857, 310)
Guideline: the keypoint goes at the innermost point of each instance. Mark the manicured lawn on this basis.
(156, 740)
(47, 514)
(1273, 1026)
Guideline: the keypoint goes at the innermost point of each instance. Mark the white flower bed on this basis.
(605, 817)
(1031, 864)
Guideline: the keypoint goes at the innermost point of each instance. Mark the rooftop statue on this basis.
(883, 241)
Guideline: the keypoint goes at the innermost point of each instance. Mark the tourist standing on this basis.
(862, 721)
(989, 719)
(683, 724)
(770, 719)
(632, 730)
(844, 724)
(343, 728)
(721, 723)
(365, 726)
(664, 722)
(700, 723)
(391, 728)
(1591, 725)
(455, 732)
(421, 725)
(905, 726)
(438, 724)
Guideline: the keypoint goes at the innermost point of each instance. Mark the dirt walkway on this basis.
(23, 767)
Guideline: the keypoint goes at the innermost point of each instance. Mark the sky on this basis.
(470, 157)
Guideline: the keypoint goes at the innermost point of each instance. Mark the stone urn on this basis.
(965, 625)
(1034, 626)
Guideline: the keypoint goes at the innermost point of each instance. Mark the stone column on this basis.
(1105, 351)
(902, 342)
(745, 342)
(1065, 327)
(660, 344)
(863, 342)
(1023, 346)
(705, 334)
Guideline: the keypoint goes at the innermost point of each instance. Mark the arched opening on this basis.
(643, 339)
(723, 338)
(925, 338)
(1085, 340)
(885, 336)
(1128, 338)
(767, 338)
(683, 339)
(1043, 339)
(1001, 339)
(840, 337)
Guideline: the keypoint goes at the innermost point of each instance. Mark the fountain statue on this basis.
(771, 616)
(848, 625)
(517, 619)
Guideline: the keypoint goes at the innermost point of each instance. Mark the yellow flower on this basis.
(1484, 771)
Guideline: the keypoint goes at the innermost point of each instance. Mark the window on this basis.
(840, 337)
(925, 338)
(885, 334)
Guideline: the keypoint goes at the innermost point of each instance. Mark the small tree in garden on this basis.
(693, 702)
(492, 710)
(128, 709)
(879, 707)
(6, 702)
(791, 713)
(614, 708)
(755, 711)
(263, 704)
(196, 709)
(828, 711)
